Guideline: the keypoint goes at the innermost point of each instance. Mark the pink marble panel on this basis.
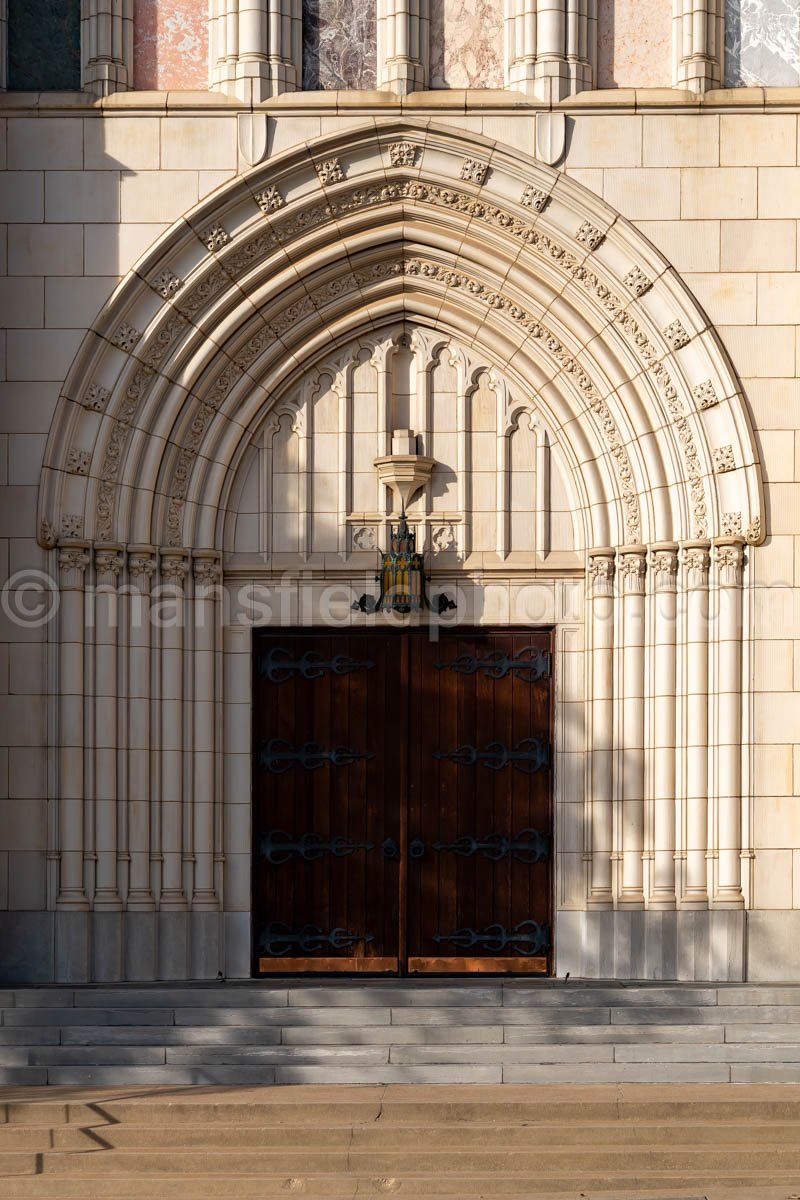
(170, 44)
(634, 43)
(467, 44)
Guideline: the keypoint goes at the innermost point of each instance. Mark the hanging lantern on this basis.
(402, 578)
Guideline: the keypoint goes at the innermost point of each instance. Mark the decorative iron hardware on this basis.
(390, 849)
(279, 757)
(528, 938)
(279, 940)
(278, 846)
(416, 849)
(529, 755)
(279, 664)
(529, 664)
(529, 847)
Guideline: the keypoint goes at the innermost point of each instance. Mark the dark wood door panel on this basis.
(402, 801)
(325, 802)
(479, 870)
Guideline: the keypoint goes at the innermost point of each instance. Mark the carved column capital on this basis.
(729, 561)
(664, 566)
(174, 567)
(632, 567)
(206, 568)
(696, 561)
(600, 572)
(73, 559)
(108, 562)
(141, 566)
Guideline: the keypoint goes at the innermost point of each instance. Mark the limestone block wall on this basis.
(85, 191)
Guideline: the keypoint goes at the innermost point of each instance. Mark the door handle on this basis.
(390, 849)
(416, 849)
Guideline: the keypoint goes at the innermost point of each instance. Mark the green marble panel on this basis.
(44, 45)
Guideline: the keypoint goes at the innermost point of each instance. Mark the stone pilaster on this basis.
(632, 568)
(600, 590)
(664, 580)
(107, 46)
(403, 45)
(696, 562)
(699, 44)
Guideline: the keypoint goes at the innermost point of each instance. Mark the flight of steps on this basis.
(458, 1143)
(399, 1031)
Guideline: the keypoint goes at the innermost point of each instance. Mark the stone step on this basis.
(736, 1136)
(661, 1186)
(541, 1160)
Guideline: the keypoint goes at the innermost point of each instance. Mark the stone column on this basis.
(601, 751)
(403, 45)
(550, 46)
(581, 44)
(728, 563)
(699, 44)
(73, 559)
(255, 47)
(107, 46)
(520, 39)
(632, 569)
(696, 566)
(174, 568)
(108, 563)
(204, 717)
(141, 566)
(664, 576)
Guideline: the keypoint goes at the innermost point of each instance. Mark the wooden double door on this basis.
(402, 801)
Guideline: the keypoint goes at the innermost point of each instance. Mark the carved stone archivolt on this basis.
(274, 227)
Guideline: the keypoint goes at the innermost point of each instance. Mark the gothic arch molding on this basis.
(354, 231)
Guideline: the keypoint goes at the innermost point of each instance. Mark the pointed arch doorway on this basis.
(402, 801)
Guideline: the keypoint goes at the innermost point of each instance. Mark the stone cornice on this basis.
(616, 101)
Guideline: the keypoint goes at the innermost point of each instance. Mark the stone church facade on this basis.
(551, 247)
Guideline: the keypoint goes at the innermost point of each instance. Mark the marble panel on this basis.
(44, 45)
(339, 44)
(466, 44)
(170, 45)
(762, 43)
(634, 44)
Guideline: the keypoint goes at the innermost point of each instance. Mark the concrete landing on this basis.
(451, 1143)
